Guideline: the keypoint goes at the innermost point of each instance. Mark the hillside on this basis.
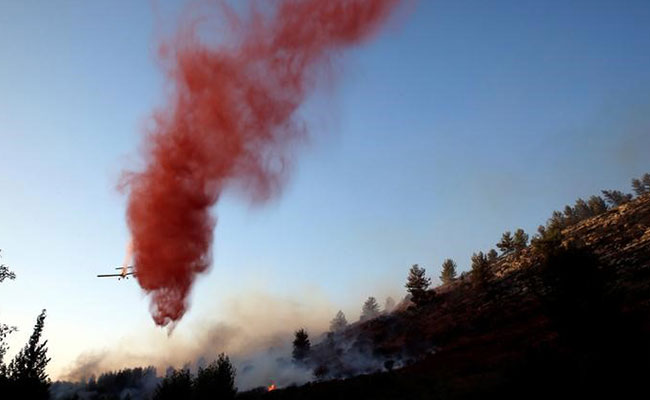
(564, 317)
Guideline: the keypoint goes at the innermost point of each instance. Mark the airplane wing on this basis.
(127, 267)
(114, 275)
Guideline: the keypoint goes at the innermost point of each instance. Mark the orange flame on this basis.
(271, 387)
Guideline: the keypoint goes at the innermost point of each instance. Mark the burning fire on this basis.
(271, 387)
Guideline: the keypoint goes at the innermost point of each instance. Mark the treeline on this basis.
(25, 375)
(593, 206)
(216, 381)
(131, 383)
(547, 235)
(339, 356)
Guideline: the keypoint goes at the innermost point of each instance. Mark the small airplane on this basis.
(125, 272)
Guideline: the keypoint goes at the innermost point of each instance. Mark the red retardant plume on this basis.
(229, 120)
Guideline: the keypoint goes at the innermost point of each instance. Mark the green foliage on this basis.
(417, 284)
(582, 210)
(492, 256)
(596, 205)
(370, 309)
(301, 346)
(638, 187)
(480, 269)
(448, 271)
(557, 220)
(615, 198)
(339, 322)
(520, 240)
(506, 244)
(216, 381)
(548, 240)
(641, 186)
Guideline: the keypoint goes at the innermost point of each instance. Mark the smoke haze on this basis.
(256, 334)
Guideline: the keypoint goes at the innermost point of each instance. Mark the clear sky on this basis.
(461, 120)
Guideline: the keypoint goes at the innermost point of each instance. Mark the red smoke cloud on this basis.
(229, 120)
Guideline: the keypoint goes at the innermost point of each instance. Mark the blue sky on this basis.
(461, 120)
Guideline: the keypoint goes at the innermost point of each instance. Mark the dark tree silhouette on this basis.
(27, 369)
(417, 284)
(480, 269)
(646, 182)
(5, 273)
(321, 372)
(370, 309)
(570, 216)
(176, 385)
(339, 322)
(5, 330)
(506, 244)
(301, 346)
(582, 210)
(597, 205)
(615, 198)
(641, 186)
(126, 383)
(547, 239)
(448, 273)
(493, 255)
(520, 240)
(216, 381)
(557, 220)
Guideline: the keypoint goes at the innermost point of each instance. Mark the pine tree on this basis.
(570, 216)
(301, 346)
(339, 322)
(615, 197)
(370, 309)
(646, 182)
(558, 220)
(5, 273)
(638, 187)
(176, 385)
(597, 205)
(492, 256)
(5, 330)
(520, 240)
(582, 209)
(448, 271)
(506, 245)
(217, 380)
(641, 186)
(417, 284)
(27, 369)
(480, 269)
